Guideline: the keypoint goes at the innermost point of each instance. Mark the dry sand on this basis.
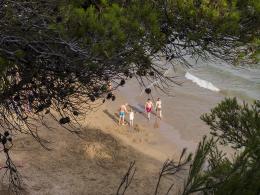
(95, 162)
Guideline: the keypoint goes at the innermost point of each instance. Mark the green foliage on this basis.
(136, 30)
(234, 123)
(197, 178)
(113, 29)
(4, 66)
(239, 126)
(112, 26)
(72, 47)
(216, 24)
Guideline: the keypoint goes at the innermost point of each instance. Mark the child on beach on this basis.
(131, 117)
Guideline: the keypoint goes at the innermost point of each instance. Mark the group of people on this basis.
(149, 106)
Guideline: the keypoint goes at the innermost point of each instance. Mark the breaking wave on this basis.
(201, 83)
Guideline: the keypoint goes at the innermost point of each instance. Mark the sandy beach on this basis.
(95, 162)
(71, 70)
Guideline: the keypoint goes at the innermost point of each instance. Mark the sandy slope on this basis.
(95, 162)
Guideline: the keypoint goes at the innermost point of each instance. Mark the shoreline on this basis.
(102, 156)
(181, 126)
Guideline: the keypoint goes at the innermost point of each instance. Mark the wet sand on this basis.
(181, 126)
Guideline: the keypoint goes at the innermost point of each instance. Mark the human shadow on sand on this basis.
(114, 117)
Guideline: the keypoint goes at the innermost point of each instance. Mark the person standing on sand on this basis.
(158, 108)
(148, 108)
(122, 113)
(131, 117)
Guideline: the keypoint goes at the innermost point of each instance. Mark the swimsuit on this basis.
(148, 109)
(131, 116)
(121, 113)
(158, 106)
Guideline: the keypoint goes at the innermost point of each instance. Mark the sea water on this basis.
(203, 86)
(239, 81)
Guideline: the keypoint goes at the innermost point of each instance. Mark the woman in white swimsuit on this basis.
(158, 108)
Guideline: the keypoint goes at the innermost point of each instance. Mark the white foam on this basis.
(201, 83)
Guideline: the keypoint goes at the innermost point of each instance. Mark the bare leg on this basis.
(131, 123)
(123, 120)
(119, 121)
(160, 114)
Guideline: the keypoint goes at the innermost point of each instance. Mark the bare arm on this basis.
(125, 109)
